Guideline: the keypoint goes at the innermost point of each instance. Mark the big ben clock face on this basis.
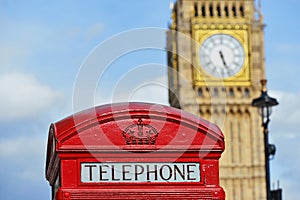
(221, 56)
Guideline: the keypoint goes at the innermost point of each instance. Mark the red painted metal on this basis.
(133, 133)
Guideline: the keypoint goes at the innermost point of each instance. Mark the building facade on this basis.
(216, 60)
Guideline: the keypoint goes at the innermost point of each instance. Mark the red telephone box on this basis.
(134, 151)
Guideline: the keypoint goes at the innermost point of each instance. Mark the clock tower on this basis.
(215, 74)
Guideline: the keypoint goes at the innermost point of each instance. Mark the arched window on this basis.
(203, 11)
(219, 10)
(231, 92)
(234, 10)
(211, 10)
(215, 92)
(200, 92)
(247, 93)
(242, 11)
(196, 10)
(226, 11)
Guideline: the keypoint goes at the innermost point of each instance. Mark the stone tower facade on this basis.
(216, 61)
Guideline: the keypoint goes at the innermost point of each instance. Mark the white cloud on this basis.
(23, 96)
(9, 53)
(95, 30)
(155, 91)
(287, 114)
(22, 39)
(23, 152)
(13, 147)
(289, 48)
(152, 91)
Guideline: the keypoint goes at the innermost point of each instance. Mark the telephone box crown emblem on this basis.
(140, 133)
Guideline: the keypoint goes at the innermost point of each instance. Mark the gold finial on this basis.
(263, 85)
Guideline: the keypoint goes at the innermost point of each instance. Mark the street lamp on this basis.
(264, 103)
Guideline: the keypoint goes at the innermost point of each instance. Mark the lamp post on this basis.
(264, 103)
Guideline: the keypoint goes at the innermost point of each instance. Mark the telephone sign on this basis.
(134, 151)
(140, 172)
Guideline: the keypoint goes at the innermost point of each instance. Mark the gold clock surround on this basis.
(200, 34)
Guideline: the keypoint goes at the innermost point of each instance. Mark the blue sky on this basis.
(45, 44)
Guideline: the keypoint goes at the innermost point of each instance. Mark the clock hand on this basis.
(223, 60)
